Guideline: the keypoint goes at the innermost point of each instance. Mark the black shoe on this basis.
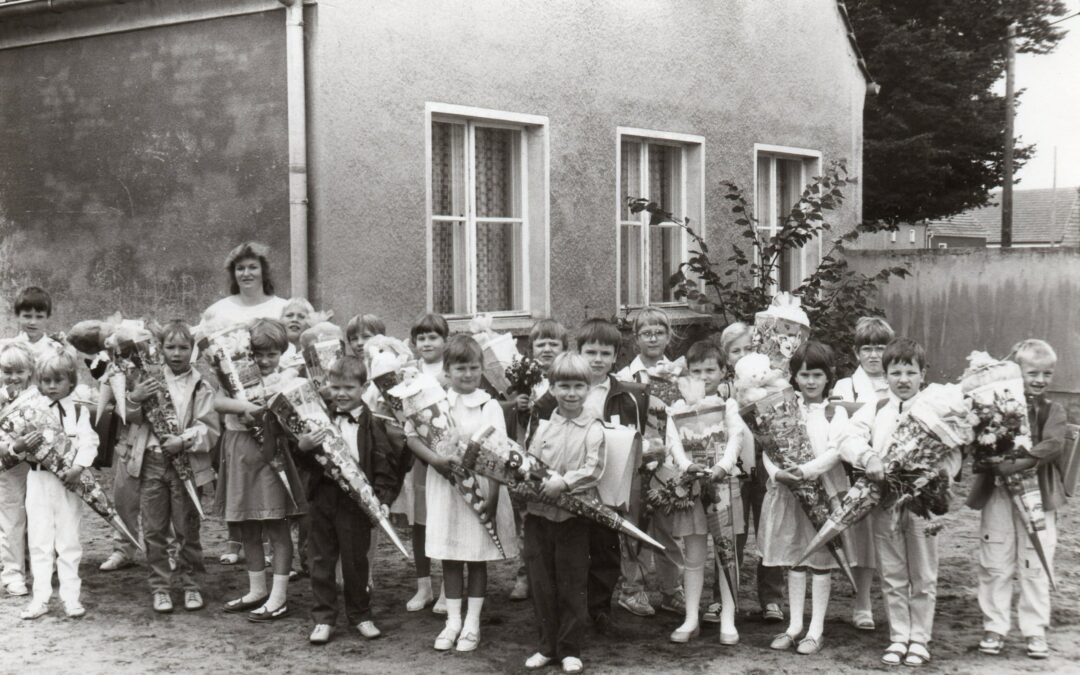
(266, 617)
(238, 605)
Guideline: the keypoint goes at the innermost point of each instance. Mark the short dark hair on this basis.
(34, 298)
(249, 250)
(704, 350)
(174, 327)
(549, 329)
(430, 323)
(904, 350)
(364, 323)
(348, 368)
(872, 330)
(814, 356)
(462, 348)
(269, 334)
(600, 331)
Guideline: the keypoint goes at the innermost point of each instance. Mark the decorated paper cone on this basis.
(120, 527)
(1026, 498)
(829, 531)
(118, 385)
(464, 482)
(104, 396)
(193, 492)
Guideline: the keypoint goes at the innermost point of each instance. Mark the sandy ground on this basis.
(121, 633)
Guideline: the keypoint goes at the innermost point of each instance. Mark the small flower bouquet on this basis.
(301, 410)
(780, 330)
(936, 423)
(500, 351)
(1002, 432)
(491, 454)
(424, 404)
(523, 374)
(30, 411)
(139, 353)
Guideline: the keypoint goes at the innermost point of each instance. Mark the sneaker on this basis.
(572, 664)
(193, 601)
(712, 613)
(74, 611)
(674, 603)
(368, 630)
(162, 603)
(17, 588)
(320, 635)
(637, 604)
(1037, 648)
(35, 610)
(992, 643)
(773, 613)
(521, 588)
(537, 661)
(116, 561)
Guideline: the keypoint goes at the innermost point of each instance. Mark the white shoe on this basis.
(419, 601)
(320, 635)
(116, 561)
(368, 630)
(74, 611)
(440, 606)
(537, 661)
(469, 641)
(572, 664)
(34, 610)
(447, 638)
(17, 589)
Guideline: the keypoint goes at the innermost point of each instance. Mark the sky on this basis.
(1049, 113)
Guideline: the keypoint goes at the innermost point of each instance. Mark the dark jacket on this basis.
(380, 460)
(1048, 424)
(627, 400)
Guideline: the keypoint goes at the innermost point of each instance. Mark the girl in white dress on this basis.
(454, 533)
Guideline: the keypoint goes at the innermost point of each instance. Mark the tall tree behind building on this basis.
(934, 135)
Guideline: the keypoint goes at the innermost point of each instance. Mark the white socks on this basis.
(279, 593)
(796, 584)
(423, 595)
(453, 613)
(472, 617)
(820, 587)
(256, 586)
(693, 578)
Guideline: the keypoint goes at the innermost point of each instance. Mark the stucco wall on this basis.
(736, 73)
(131, 162)
(960, 300)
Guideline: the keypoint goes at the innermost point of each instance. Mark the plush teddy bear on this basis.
(755, 378)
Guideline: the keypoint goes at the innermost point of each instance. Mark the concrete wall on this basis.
(959, 300)
(132, 158)
(959, 242)
(883, 241)
(736, 73)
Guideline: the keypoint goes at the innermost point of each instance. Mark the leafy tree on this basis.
(935, 134)
(734, 289)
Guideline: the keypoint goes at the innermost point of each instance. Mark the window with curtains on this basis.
(479, 223)
(781, 178)
(659, 169)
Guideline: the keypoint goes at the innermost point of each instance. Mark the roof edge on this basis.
(842, 8)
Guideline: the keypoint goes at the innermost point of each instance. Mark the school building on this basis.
(461, 156)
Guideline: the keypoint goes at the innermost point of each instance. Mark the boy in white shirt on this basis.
(867, 384)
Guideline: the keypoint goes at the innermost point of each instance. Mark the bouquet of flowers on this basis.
(491, 454)
(301, 410)
(30, 411)
(1002, 432)
(423, 402)
(936, 423)
(523, 374)
(500, 351)
(230, 353)
(138, 353)
(780, 330)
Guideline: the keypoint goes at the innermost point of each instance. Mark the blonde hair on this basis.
(364, 323)
(1032, 349)
(651, 316)
(569, 367)
(302, 303)
(62, 365)
(734, 331)
(16, 355)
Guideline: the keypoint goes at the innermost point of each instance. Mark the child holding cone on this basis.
(164, 501)
(454, 533)
(1004, 546)
(786, 530)
(251, 493)
(907, 558)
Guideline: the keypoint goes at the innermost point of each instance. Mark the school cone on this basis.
(193, 492)
(629, 528)
(285, 482)
(117, 523)
(384, 523)
(1029, 512)
(829, 531)
(841, 559)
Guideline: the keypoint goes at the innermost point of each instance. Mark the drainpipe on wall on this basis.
(298, 197)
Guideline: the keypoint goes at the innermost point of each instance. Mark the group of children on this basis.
(573, 569)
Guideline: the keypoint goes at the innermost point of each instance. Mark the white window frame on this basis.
(892, 236)
(911, 235)
(771, 222)
(692, 202)
(535, 216)
(943, 245)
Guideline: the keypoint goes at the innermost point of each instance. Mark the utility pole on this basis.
(1007, 188)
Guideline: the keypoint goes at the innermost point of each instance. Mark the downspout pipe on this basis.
(297, 111)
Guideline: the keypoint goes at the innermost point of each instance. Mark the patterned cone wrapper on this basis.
(500, 350)
(492, 454)
(1026, 497)
(301, 410)
(703, 434)
(780, 417)
(424, 404)
(30, 411)
(318, 357)
(778, 338)
(935, 423)
(159, 410)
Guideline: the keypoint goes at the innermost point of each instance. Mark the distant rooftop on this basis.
(1049, 216)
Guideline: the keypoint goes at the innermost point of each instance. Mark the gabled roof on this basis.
(960, 225)
(1046, 216)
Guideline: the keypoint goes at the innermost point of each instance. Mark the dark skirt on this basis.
(249, 488)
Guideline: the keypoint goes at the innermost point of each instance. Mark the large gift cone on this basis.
(1026, 498)
(464, 481)
(193, 492)
(626, 527)
(384, 523)
(829, 531)
(117, 523)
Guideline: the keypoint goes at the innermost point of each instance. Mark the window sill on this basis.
(515, 324)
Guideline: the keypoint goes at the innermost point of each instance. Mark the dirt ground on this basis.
(121, 633)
